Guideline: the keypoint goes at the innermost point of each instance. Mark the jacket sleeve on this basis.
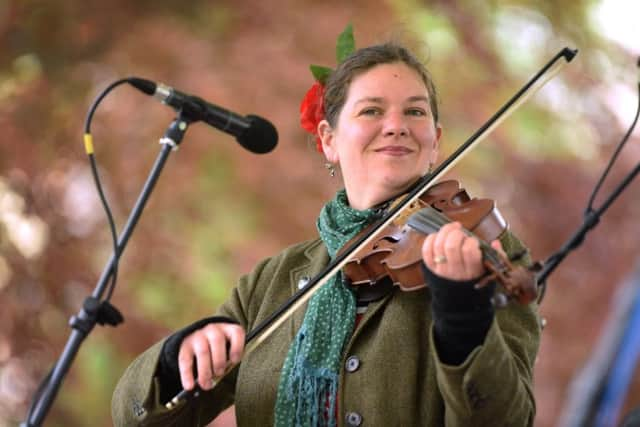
(493, 386)
(136, 399)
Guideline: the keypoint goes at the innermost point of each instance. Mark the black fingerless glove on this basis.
(168, 371)
(462, 315)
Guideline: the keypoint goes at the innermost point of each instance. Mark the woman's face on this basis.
(385, 137)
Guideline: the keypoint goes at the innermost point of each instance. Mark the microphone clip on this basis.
(94, 311)
(175, 132)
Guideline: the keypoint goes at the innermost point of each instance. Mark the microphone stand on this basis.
(591, 219)
(591, 216)
(93, 311)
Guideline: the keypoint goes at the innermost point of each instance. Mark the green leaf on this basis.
(320, 73)
(346, 44)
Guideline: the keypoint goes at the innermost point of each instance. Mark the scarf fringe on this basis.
(313, 391)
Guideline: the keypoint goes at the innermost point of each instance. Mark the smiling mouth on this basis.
(394, 150)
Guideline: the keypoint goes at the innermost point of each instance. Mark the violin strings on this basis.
(435, 219)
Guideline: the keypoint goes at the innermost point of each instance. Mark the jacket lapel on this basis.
(317, 258)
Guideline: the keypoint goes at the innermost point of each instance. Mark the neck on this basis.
(362, 203)
(362, 200)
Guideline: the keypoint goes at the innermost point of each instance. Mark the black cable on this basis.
(88, 141)
(589, 208)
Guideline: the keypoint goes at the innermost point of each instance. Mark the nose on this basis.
(395, 124)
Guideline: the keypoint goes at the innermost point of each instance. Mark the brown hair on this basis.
(337, 85)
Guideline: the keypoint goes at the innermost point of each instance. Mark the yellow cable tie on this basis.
(88, 143)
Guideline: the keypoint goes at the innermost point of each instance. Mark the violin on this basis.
(396, 252)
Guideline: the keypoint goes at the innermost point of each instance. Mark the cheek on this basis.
(429, 138)
(352, 141)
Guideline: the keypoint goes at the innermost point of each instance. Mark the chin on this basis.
(399, 184)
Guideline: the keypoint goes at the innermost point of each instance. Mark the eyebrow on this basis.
(379, 100)
(419, 98)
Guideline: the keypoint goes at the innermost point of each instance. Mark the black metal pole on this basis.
(86, 318)
(591, 219)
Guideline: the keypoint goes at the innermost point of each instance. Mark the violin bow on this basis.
(263, 330)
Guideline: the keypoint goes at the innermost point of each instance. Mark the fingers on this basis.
(208, 348)
(498, 247)
(452, 254)
(472, 256)
(185, 365)
(450, 243)
(217, 348)
(236, 349)
(428, 257)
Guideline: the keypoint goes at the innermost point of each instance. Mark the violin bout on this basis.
(396, 252)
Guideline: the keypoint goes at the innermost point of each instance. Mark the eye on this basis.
(418, 112)
(370, 111)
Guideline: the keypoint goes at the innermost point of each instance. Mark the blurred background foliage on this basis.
(217, 209)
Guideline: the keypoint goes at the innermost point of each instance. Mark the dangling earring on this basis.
(331, 168)
(430, 168)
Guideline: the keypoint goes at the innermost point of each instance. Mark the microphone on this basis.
(254, 133)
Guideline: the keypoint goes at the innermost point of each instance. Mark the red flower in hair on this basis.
(312, 108)
(312, 111)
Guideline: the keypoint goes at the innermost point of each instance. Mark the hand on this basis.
(452, 254)
(209, 348)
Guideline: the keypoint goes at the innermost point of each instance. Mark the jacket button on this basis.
(353, 419)
(352, 364)
(303, 282)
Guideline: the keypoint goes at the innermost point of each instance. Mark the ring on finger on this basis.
(440, 259)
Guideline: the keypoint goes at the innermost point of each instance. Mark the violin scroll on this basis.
(519, 282)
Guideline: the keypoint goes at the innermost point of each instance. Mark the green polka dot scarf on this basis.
(309, 377)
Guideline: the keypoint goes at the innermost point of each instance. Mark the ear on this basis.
(327, 136)
(436, 145)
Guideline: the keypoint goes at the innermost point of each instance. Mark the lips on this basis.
(394, 150)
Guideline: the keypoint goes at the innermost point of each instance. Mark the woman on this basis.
(433, 357)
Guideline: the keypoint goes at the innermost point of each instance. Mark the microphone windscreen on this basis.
(260, 137)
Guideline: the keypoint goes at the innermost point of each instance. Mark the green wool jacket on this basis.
(398, 379)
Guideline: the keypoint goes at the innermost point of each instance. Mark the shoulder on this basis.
(274, 279)
(309, 249)
(303, 253)
(310, 255)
